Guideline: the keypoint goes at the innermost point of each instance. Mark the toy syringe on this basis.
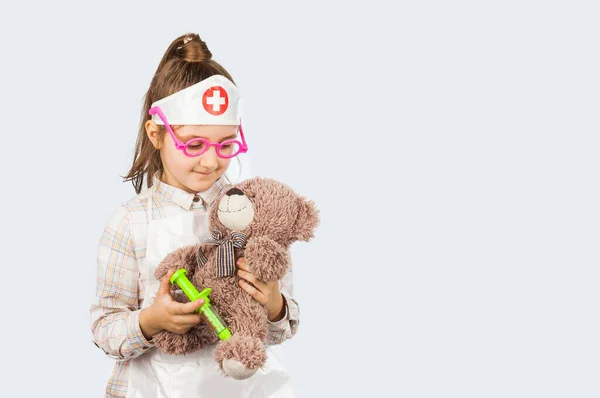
(208, 313)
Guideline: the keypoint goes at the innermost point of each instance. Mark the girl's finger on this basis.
(253, 292)
(165, 285)
(248, 276)
(188, 320)
(187, 308)
(241, 263)
(260, 285)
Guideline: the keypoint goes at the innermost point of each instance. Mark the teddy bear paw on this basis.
(240, 356)
(237, 370)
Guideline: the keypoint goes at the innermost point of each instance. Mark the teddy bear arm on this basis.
(178, 259)
(267, 259)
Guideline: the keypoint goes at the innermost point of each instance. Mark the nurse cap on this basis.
(214, 100)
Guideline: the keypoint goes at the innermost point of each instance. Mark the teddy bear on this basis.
(259, 219)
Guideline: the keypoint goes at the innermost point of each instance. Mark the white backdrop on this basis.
(452, 149)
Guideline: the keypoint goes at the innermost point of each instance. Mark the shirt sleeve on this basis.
(287, 327)
(115, 312)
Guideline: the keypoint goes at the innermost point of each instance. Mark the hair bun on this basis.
(192, 48)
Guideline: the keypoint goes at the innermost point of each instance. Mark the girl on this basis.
(189, 133)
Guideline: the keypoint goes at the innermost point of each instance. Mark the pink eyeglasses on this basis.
(197, 146)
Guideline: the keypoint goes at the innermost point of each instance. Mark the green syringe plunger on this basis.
(208, 313)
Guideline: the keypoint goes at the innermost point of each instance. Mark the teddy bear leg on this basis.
(177, 344)
(240, 356)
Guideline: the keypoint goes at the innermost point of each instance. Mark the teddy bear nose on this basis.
(234, 191)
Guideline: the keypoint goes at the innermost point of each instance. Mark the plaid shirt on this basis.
(120, 290)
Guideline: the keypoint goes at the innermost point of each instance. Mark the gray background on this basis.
(452, 148)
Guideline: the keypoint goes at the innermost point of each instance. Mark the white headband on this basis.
(214, 100)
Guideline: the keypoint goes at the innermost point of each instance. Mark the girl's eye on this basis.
(229, 149)
(196, 147)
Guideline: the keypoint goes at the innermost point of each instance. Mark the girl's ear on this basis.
(152, 130)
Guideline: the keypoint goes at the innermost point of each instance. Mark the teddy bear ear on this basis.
(307, 221)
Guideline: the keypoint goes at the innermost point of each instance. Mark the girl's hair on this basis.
(186, 62)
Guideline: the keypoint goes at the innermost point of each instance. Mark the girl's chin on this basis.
(201, 182)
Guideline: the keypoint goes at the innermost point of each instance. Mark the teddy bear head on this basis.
(265, 207)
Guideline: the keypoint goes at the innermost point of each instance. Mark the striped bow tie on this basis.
(225, 251)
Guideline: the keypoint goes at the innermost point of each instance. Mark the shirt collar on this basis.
(186, 199)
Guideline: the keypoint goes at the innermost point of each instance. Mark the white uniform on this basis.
(155, 374)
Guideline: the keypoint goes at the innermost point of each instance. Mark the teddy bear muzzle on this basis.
(236, 211)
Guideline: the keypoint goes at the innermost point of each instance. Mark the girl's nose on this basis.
(209, 159)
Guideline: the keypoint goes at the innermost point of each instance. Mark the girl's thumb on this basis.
(165, 284)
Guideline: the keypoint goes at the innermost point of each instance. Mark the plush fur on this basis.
(272, 216)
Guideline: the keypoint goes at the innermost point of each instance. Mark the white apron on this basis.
(155, 374)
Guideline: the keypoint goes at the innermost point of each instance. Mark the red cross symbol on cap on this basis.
(215, 100)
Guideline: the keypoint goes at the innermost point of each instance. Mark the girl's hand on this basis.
(266, 293)
(168, 314)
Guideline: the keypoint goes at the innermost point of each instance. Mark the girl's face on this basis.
(192, 174)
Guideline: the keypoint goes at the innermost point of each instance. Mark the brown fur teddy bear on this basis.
(259, 219)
